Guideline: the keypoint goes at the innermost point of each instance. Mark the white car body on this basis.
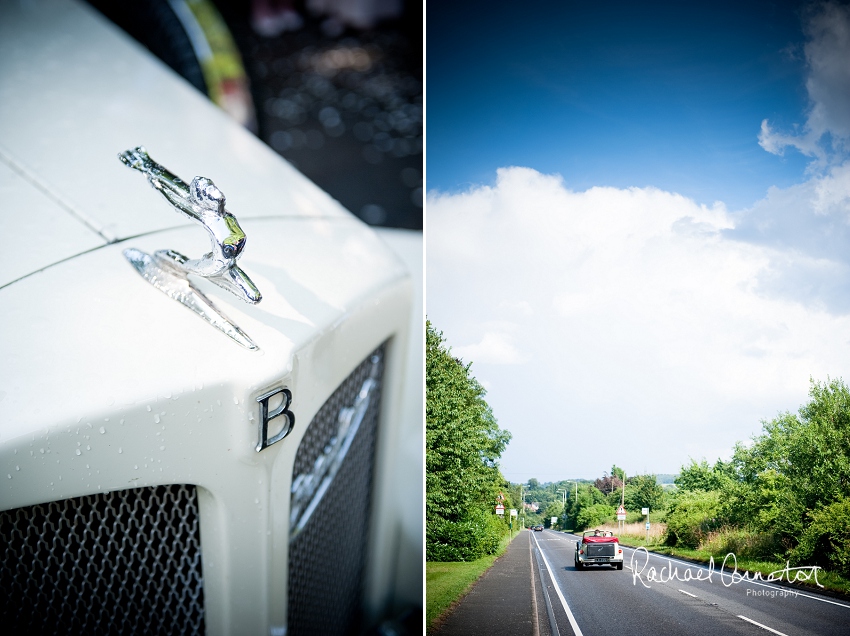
(107, 384)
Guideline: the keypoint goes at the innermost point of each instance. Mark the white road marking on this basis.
(570, 616)
(750, 620)
(688, 593)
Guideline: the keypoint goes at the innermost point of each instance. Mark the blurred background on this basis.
(333, 86)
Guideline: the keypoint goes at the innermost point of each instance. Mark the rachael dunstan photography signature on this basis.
(727, 573)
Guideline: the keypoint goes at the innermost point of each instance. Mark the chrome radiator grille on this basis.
(126, 562)
(332, 483)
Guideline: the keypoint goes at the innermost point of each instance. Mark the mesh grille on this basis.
(126, 562)
(326, 557)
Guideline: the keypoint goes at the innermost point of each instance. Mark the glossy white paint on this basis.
(60, 235)
(106, 383)
(75, 91)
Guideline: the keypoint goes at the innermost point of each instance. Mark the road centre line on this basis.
(749, 581)
(570, 616)
(750, 620)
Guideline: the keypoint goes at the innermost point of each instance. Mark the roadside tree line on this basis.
(784, 496)
(463, 442)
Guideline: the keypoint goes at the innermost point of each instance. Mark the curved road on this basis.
(601, 600)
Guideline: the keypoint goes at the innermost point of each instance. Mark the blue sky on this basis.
(620, 94)
(638, 220)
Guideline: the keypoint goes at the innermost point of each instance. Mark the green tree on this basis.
(799, 465)
(554, 509)
(589, 507)
(790, 487)
(462, 445)
(704, 477)
(643, 491)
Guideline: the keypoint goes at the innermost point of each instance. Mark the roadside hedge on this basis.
(467, 540)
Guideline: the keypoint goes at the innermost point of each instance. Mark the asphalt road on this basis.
(602, 600)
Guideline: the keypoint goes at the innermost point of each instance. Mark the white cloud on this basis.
(827, 127)
(652, 316)
(776, 143)
(808, 228)
(494, 348)
(513, 307)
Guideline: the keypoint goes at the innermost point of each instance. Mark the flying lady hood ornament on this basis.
(168, 270)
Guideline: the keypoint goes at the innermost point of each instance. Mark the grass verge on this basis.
(447, 583)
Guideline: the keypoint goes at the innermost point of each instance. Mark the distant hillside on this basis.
(665, 478)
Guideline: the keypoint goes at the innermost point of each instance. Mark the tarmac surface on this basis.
(535, 588)
(507, 599)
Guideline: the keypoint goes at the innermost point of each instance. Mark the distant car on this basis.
(538, 528)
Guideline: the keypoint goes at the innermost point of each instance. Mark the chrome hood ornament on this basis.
(168, 270)
(202, 202)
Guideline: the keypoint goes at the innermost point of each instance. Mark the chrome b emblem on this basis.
(266, 416)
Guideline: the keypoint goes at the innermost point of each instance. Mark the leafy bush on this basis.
(826, 541)
(466, 540)
(692, 516)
